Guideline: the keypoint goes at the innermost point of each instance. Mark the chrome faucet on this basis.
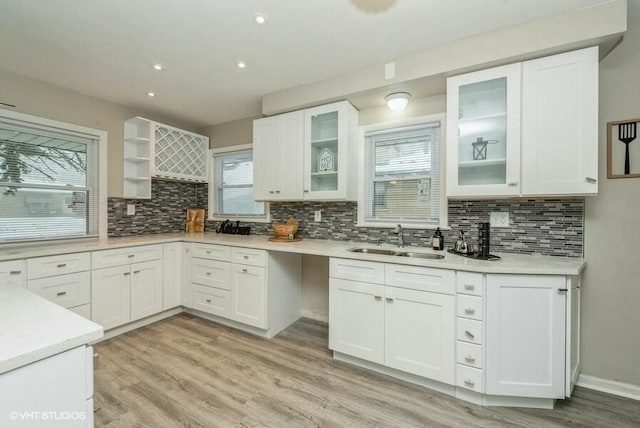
(398, 232)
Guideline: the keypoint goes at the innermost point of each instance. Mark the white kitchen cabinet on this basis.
(525, 344)
(128, 291)
(249, 295)
(306, 154)
(525, 129)
(560, 124)
(13, 273)
(277, 157)
(388, 323)
(356, 319)
(173, 275)
(153, 149)
(483, 132)
(69, 291)
(329, 150)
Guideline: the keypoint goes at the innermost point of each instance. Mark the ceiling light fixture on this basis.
(151, 94)
(158, 67)
(260, 19)
(242, 64)
(397, 101)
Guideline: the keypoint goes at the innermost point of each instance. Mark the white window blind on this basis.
(233, 181)
(48, 182)
(402, 183)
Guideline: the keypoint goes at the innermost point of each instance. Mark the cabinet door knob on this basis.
(469, 287)
(469, 311)
(244, 270)
(126, 273)
(208, 273)
(389, 299)
(208, 251)
(470, 359)
(61, 265)
(377, 297)
(469, 382)
(590, 180)
(246, 257)
(512, 184)
(131, 255)
(208, 300)
(136, 271)
(15, 272)
(61, 293)
(469, 334)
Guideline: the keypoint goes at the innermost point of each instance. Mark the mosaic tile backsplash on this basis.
(549, 227)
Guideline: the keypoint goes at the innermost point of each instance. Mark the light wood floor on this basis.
(185, 371)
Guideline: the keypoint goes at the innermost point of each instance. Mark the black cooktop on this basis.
(476, 256)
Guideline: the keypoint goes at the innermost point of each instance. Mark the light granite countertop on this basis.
(509, 263)
(33, 328)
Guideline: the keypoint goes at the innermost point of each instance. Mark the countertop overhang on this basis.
(508, 264)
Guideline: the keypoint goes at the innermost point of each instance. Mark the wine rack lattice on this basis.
(180, 155)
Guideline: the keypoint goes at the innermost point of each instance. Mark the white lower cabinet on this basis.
(525, 351)
(248, 295)
(128, 292)
(13, 273)
(173, 275)
(405, 329)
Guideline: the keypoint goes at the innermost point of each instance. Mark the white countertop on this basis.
(509, 263)
(33, 328)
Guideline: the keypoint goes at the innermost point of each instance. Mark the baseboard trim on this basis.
(621, 389)
(316, 316)
(117, 331)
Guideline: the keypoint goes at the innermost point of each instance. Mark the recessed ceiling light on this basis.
(151, 94)
(158, 67)
(260, 19)
(242, 64)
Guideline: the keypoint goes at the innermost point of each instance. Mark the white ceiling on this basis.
(107, 48)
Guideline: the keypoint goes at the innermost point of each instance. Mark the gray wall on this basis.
(43, 99)
(611, 299)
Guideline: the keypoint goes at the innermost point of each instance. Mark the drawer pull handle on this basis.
(389, 299)
(277, 191)
(208, 273)
(306, 190)
(469, 334)
(377, 297)
(469, 311)
(131, 255)
(514, 183)
(470, 359)
(61, 293)
(208, 251)
(244, 270)
(469, 287)
(591, 180)
(208, 300)
(469, 382)
(562, 290)
(15, 272)
(126, 273)
(61, 265)
(246, 257)
(136, 271)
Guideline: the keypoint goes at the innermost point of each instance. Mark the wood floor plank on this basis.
(188, 372)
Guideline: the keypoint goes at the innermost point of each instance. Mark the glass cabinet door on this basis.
(324, 152)
(483, 142)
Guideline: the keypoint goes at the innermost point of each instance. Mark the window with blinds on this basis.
(402, 176)
(233, 184)
(48, 183)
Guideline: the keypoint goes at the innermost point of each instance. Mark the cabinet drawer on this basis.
(470, 283)
(470, 378)
(69, 290)
(248, 256)
(420, 278)
(469, 354)
(41, 267)
(123, 256)
(469, 307)
(13, 273)
(212, 252)
(212, 300)
(469, 330)
(357, 270)
(82, 310)
(211, 273)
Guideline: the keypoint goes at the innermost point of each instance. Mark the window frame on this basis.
(213, 193)
(363, 174)
(101, 137)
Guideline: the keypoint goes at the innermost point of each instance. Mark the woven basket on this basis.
(286, 230)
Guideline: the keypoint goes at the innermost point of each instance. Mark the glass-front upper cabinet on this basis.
(483, 133)
(330, 157)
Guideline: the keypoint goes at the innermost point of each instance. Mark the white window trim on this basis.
(400, 123)
(102, 137)
(212, 189)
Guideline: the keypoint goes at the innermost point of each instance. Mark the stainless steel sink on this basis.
(420, 255)
(373, 251)
(383, 252)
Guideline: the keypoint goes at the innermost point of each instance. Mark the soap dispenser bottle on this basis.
(437, 242)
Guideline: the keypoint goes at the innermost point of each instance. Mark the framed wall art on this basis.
(623, 149)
